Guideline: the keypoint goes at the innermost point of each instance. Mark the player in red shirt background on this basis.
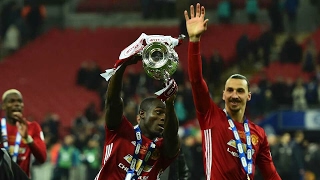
(145, 150)
(232, 145)
(24, 138)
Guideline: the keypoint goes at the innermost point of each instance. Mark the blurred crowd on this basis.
(277, 10)
(283, 92)
(294, 156)
(20, 22)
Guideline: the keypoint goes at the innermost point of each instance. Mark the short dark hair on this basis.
(239, 76)
(146, 103)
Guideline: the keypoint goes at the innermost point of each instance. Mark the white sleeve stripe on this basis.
(41, 136)
(106, 157)
(108, 152)
(208, 152)
(97, 177)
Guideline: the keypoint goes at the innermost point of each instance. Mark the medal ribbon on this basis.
(6, 144)
(246, 160)
(132, 174)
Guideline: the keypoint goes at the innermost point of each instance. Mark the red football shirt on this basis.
(118, 150)
(37, 149)
(220, 155)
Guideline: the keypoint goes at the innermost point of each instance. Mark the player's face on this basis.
(236, 94)
(12, 103)
(155, 118)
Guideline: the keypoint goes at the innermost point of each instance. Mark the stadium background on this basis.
(91, 33)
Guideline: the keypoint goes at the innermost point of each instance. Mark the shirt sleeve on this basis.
(200, 91)
(38, 147)
(124, 128)
(264, 161)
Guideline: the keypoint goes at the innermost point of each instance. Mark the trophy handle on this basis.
(166, 77)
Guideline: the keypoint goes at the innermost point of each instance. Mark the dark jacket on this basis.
(178, 170)
(9, 170)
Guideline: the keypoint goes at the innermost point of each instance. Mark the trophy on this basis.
(159, 59)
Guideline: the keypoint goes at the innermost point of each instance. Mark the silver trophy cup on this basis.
(159, 60)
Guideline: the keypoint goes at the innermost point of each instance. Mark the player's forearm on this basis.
(114, 104)
(39, 150)
(170, 133)
(200, 89)
(194, 62)
(115, 86)
(171, 123)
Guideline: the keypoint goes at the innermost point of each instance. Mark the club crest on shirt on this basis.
(254, 139)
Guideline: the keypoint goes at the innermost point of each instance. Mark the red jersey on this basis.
(118, 151)
(220, 155)
(37, 149)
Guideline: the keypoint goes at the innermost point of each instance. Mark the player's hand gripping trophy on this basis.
(159, 59)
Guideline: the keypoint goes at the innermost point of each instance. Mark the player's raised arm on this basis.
(170, 132)
(196, 26)
(114, 102)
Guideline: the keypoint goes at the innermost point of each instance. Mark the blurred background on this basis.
(53, 51)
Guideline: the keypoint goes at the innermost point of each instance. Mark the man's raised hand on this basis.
(196, 24)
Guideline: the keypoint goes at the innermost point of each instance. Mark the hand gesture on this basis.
(196, 24)
(21, 124)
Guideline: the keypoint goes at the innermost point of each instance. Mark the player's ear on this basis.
(249, 96)
(141, 115)
(3, 107)
(223, 95)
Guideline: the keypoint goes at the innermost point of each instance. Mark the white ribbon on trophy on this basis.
(136, 47)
